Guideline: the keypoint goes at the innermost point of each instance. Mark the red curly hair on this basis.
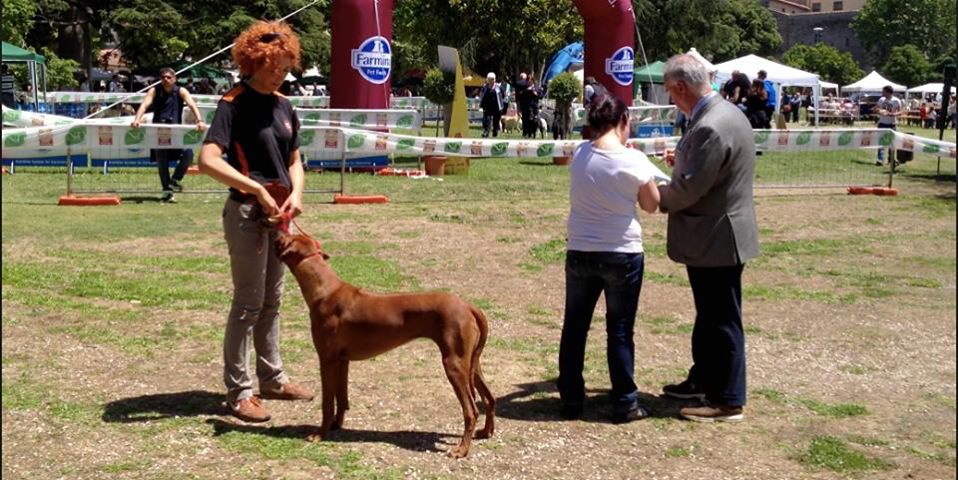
(264, 43)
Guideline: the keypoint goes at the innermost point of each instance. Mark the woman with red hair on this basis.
(259, 131)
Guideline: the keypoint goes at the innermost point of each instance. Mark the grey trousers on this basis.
(257, 290)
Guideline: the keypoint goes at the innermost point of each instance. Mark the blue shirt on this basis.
(770, 88)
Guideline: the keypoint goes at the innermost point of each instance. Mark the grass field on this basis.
(113, 321)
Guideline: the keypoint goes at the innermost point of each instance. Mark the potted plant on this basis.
(564, 88)
(439, 88)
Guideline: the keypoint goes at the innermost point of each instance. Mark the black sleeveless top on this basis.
(167, 107)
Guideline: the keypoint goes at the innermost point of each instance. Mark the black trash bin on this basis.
(902, 156)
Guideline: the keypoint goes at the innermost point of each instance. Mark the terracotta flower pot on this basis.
(435, 166)
(561, 160)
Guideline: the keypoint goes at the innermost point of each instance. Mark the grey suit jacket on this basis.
(709, 200)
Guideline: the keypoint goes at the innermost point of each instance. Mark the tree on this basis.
(826, 61)
(722, 29)
(907, 65)
(17, 20)
(517, 36)
(155, 32)
(884, 24)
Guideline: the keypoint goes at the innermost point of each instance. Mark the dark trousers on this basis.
(491, 118)
(163, 157)
(718, 340)
(588, 274)
(530, 122)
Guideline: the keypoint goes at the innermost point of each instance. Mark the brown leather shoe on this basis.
(249, 410)
(288, 391)
(713, 413)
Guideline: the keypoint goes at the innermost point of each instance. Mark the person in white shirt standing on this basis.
(889, 109)
(605, 255)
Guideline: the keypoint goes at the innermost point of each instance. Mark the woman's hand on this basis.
(293, 205)
(266, 202)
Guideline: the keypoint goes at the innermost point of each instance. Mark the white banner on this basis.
(101, 139)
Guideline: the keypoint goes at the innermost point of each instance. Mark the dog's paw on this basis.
(316, 436)
(459, 452)
(483, 434)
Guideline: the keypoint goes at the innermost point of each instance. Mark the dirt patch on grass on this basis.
(839, 346)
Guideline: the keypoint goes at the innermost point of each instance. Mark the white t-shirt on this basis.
(893, 105)
(603, 193)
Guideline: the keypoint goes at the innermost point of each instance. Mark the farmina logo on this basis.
(373, 59)
(621, 65)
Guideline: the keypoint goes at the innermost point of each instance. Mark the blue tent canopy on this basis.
(570, 55)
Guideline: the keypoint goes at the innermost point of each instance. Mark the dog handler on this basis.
(605, 254)
(258, 129)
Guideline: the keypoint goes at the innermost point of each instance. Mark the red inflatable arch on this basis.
(362, 48)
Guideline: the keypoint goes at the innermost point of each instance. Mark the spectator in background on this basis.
(190, 87)
(9, 87)
(27, 96)
(772, 101)
(952, 117)
(889, 108)
(736, 89)
(166, 101)
(795, 102)
(530, 109)
(755, 105)
(490, 101)
(115, 85)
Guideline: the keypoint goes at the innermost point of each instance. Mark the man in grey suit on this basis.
(712, 230)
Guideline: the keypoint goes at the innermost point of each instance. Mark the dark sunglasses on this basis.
(268, 37)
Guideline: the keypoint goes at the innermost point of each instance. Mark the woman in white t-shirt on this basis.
(605, 255)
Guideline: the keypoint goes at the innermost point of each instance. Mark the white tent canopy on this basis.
(698, 56)
(829, 85)
(873, 82)
(930, 88)
(778, 74)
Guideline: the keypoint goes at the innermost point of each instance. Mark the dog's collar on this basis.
(311, 255)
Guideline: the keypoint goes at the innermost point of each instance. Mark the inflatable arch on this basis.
(362, 49)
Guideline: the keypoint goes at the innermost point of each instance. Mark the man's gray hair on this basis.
(687, 69)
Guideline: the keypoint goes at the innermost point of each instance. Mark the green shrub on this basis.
(439, 87)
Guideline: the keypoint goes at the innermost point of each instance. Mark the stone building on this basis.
(812, 21)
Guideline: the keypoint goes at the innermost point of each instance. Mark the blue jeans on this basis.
(881, 150)
(588, 274)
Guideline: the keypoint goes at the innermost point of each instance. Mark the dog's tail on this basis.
(483, 325)
(476, 381)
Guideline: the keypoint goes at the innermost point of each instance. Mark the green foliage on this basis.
(543, 28)
(907, 65)
(884, 24)
(824, 60)
(724, 30)
(60, 71)
(833, 454)
(565, 88)
(439, 87)
(163, 31)
(16, 21)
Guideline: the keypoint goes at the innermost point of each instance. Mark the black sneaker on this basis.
(168, 197)
(683, 391)
(631, 415)
(571, 411)
(176, 186)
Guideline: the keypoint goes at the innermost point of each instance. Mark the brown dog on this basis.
(350, 324)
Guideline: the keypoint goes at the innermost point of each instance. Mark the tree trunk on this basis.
(74, 40)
